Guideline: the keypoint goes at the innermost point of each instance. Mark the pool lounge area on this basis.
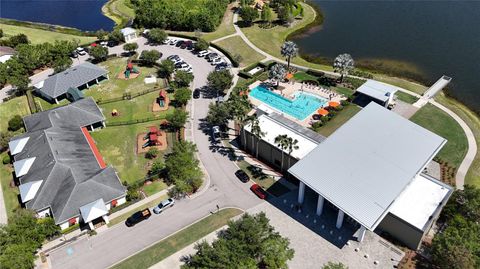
(299, 106)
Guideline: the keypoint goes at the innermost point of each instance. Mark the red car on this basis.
(259, 191)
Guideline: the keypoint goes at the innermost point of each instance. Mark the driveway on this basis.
(224, 190)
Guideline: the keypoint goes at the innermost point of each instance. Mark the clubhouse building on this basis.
(58, 168)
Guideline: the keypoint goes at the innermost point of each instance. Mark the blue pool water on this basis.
(300, 107)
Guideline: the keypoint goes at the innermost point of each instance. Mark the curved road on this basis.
(224, 190)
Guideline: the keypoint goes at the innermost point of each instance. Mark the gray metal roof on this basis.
(378, 90)
(365, 164)
(73, 77)
(65, 162)
(81, 113)
(297, 127)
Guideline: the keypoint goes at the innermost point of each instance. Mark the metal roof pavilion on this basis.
(368, 162)
(377, 90)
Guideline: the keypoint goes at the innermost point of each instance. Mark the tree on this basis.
(130, 47)
(289, 50)
(157, 36)
(101, 34)
(343, 64)
(277, 72)
(249, 242)
(16, 40)
(17, 75)
(150, 57)
(4, 139)
(99, 53)
(1, 33)
(183, 78)
(182, 169)
(15, 123)
(152, 153)
(182, 95)
(282, 142)
(239, 107)
(177, 119)
(218, 114)
(158, 168)
(201, 44)
(267, 15)
(61, 64)
(291, 144)
(116, 36)
(256, 132)
(166, 69)
(248, 14)
(220, 80)
(332, 265)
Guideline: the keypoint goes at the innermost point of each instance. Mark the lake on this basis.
(81, 14)
(432, 37)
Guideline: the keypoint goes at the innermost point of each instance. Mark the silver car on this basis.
(164, 204)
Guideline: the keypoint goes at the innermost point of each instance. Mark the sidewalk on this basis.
(3, 210)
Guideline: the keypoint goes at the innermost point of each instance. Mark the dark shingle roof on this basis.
(73, 77)
(65, 162)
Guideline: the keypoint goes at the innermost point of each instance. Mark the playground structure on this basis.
(130, 72)
(161, 102)
(153, 138)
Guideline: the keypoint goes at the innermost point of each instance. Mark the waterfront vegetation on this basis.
(120, 11)
(236, 46)
(179, 240)
(439, 122)
(38, 36)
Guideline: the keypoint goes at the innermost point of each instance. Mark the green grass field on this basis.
(37, 36)
(236, 46)
(178, 241)
(405, 97)
(9, 194)
(342, 116)
(154, 187)
(439, 122)
(16, 106)
(118, 11)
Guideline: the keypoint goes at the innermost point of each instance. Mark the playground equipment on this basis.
(152, 137)
(114, 113)
(162, 98)
(130, 70)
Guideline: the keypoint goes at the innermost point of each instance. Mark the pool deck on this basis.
(288, 89)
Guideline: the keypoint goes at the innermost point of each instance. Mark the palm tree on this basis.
(289, 50)
(256, 132)
(291, 145)
(277, 72)
(281, 142)
(343, 63)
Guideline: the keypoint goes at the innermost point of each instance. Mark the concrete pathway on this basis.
(472, 145)
(3, 210)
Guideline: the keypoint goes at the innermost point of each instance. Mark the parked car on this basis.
(81, 51)
(104, 44)
(138, 217)
(189, 45)
(203, 53)
(261, 193)
(242, 176)
(112, 43)
(216, 134)
(217, 61)
(166, 41)
(212, 56)
(181, 65)
(184, 45)
(173, 42)
(179, 43)
(196, 93)
(163, 204)
(74, 54)
(177, 60)
(171, 57)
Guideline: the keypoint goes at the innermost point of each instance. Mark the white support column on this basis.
(108, 77)
(56, 101)
(91, 128)
(104, 125)
(361, 233)
(340, 219)
(105, 218)
(90, 224)
(301, 192)
(88, 86)
(320, 205)
(96, 80)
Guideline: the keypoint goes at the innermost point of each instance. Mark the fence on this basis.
(130, 122)
(31, 102)
(129, 96)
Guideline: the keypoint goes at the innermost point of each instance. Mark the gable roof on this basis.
(366, 163)
(71, 176)
(73, 77)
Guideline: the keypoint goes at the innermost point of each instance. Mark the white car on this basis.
(203, 53)
(217, 61)
(173, 42)
(176, 60)
(164, 204)
(81, 51)
(216, 134)
(187, 69)
(104, 44)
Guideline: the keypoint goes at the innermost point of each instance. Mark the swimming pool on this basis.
(300, 107)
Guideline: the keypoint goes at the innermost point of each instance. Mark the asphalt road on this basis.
(225, 190)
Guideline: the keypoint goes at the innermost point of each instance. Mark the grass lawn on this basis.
(402, 83)
(37, 36)
(266, 182)
(236, 46)
(302, 76)
(178, 241)
(473, 121)
(117, 145)
(154, 187)
(118, 11)
(342, 90)
(342, 116)
(405, 97)
(16, 106)
(439, 122)
(125, 216)
(224, 29)
(9, 194)
(270, 40)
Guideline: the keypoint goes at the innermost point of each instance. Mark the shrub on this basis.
(6, 159)
(132, 194)
(152, 153)
(344, 103)
(15, 123)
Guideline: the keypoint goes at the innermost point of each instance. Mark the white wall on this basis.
(43, 213)
(5, 58)
(121, 201)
